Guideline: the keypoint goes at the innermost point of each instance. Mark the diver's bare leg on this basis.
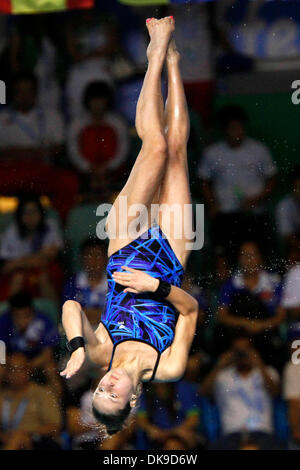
(146, 175)
(175, 185)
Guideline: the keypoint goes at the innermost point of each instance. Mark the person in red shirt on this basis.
(98, 142)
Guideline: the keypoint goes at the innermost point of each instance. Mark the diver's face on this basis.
(114, 391)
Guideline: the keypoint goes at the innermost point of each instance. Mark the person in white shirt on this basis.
(31, 140)
(238, 176)
(288, 213)
(29, 250)
(250, 302)
(27, 130)
(243, 387)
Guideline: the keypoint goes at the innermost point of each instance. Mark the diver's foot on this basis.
(160, 32)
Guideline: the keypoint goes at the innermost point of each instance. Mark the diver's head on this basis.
(114, 399)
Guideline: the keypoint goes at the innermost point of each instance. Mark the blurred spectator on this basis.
(99, 140)
(291, 385)
(292, 258)
(91, 42)
(31, 49)
(32, 333)
(89, 286)
(243, 387)
(222, 268)
(4, 38)
(288, 213)
(25, 330)
(291, 293)
(134, 37)
(221, 273)
(231, 60)
(99, 187)
(250, 302)
(31, 138)
(2, 373)
(249, 443)
(175, 443)
(238, 175)
(169, 410)
(29, 251)
(30, 417)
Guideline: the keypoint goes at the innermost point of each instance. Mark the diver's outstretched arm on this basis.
(76, 324)
(172, 367)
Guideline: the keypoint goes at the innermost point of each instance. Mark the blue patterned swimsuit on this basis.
(139, 317)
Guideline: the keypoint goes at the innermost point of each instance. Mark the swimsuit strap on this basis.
(155, 367)
(112, 356)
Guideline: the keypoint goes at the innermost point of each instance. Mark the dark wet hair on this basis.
(113, 422)
(98, 90)
(231, 113)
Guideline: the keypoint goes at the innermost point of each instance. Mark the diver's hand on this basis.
(135, 281)
(74, 363)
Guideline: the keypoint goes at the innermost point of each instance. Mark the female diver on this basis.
(137, 340)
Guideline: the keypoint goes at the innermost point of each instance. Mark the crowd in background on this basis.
(67, 143)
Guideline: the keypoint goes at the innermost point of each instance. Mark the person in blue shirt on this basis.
(249, 302)
(25, 330)
(169, 411)
(89, 285)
